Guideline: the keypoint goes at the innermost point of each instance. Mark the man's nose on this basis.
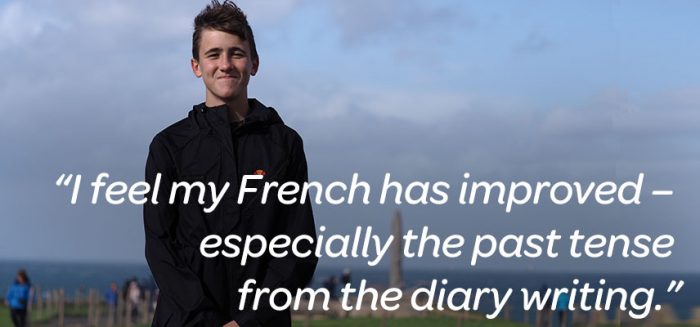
(225, 64)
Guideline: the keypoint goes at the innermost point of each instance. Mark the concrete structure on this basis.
(396, 252)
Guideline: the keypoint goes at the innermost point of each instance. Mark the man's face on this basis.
(225, 64)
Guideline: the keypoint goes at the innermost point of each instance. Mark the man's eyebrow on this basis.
(212, 50)
(219, 50)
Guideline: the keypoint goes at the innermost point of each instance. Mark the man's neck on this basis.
(238, 109)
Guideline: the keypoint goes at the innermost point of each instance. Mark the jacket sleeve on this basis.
(288, 272)
(183, 298)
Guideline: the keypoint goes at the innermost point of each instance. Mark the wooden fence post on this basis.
(90, 307)
(61, 302)
(54, 300)
(120, 309)
(39, 300)
(145, 307)
(307, 319)
(127, 313)
(526, 317)
(97, 309)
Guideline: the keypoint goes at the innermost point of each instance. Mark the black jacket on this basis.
(199, 291)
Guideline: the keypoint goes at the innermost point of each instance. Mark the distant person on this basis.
(134, 297)
(545, 315)
(148, 285)
(111, 298)
(563, 308)
(346, 277)
(17, 298)
(330, 285)
(126, 286)
(111, 295)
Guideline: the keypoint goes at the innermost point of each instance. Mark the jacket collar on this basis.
(258, 113)
(216, 119)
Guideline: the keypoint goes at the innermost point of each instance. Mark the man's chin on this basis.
(229, 97)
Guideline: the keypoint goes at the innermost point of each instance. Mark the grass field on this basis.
(37, 319)
(431, 321)
(437, 321)
(5, 318)
(363, 322)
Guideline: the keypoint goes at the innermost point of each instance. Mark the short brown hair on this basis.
(23, 275)
(226, 17)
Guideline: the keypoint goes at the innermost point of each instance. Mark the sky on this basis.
(513, 90)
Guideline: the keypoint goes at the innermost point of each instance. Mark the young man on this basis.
(223, 139)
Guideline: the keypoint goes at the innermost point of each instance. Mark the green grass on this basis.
(432, 321)
(360, 322)
(5, 317)
(6, 321)
(45, 316)
(436, 321)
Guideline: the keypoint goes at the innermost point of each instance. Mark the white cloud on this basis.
(19, 23)
(114, 73)
(364, 20)
(264, 12)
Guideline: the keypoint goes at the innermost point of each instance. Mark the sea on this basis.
(76, 278)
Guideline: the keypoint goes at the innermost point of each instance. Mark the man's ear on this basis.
(195, 67)
(256, 64)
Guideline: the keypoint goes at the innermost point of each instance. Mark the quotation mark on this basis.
(65, 180)
(675, 286)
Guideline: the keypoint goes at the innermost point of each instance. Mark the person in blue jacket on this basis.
(17, 298)
(563, 309)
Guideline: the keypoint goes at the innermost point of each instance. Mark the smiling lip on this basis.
(226, 77)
